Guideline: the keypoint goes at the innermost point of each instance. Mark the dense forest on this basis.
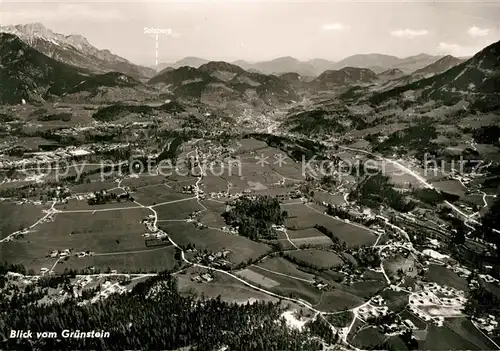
(376, 190)
(254, 217)
(418, 137)
(165, 320)
(490, 226)
(487, 135)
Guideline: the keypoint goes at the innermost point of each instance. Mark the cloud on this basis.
(478, 32)
(408, 33)
(337, 27)
(456, 50)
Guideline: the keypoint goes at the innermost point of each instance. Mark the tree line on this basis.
(167, 321)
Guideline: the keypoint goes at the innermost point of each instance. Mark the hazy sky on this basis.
(251, 30)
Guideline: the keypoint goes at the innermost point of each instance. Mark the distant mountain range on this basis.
(311, 68)
(439, 66)
(75, 50)
(391, 74)
(33, 76)
(378, 63)
(476, 80)
(278, 66)
(220, 82)
(36, 64)
(345, 76)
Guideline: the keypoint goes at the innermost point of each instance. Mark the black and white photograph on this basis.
(238, 175)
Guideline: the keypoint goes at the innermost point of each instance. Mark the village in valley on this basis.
(275, 205)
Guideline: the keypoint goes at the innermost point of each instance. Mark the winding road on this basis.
(422, 180)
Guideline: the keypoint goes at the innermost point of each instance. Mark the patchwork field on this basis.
(99, 232)
(91, 187)
(368, 287)
(294, 288)
(248, 145)
(447, 338)
(241, 249)
(82, 205)
(147, 260)
(16, 217)
(229, 289)
(178, 209)
(369, 338)
(304, 217)
(318, 258)
(337, 300)
(213, 216)
(310, 236)
(155, 195)
(446, 277)
(451, 186)
(283, 266)
(257, 278)
(143, 181)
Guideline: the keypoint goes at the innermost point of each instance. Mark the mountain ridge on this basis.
(28, 74)
(75, 49)
(314, 67)
(476, 80)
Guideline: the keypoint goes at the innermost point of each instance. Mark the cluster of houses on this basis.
(80, 284)
(34, 158)
(217, 259)
(83, 254)
(351, 276)
(62, 253)
(18, 277)
(230, 229)
(319, 284)
(488, 323)
(83, 196)
(67, 253)
(194, 214)
(197, 223)
(436, 302)
(376, 308)
(202, 278)
(399, 249)
(292, 194)
(192, 189)
(356, 213)
(489, 279)
(108, 289)
(157, 235)
(192, 219)
(220, 194)
(474, 283)
(149, 222)
(153, 233)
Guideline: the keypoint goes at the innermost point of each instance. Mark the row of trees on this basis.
(101, 198)
(343, 214)
(337, 244)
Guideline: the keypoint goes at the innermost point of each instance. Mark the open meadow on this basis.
(302, 217)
